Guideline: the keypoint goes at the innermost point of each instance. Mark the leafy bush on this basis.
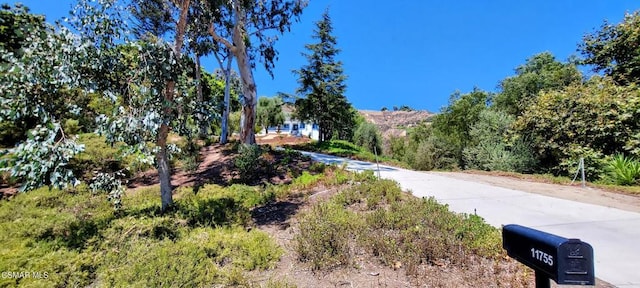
(598, 117)
(102, 157)
(451, 128)
(397, 148)
(212, 209)
(594, 163)
(368, 137)
(71, 126)
(490, 150)
(432, 153)
(306, 180)
(247, 161)
(624, 170)
(234, 245)
(12, 133)
(110, 183)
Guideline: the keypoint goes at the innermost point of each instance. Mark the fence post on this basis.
(584, 183)
(377, 164)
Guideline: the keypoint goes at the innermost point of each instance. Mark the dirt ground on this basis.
(281, 139)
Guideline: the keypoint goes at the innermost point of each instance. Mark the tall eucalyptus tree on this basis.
(249, 29)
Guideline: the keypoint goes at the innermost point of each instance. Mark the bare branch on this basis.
(212, 32)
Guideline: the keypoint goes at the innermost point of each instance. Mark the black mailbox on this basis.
(566, 261)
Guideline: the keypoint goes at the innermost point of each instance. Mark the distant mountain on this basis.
(395, 123)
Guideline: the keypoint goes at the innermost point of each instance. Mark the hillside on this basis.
(395, 122)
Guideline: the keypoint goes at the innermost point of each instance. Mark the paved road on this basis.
(613, 233)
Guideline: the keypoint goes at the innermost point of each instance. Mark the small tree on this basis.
(235, 24)
(36, 65)
(453, 125)
(322, 86)
(146, 78)
(368, 136)
(270, 113)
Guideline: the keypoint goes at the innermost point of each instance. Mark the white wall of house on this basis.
(297, 128)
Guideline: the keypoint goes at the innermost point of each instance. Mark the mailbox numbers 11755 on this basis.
(541, 256)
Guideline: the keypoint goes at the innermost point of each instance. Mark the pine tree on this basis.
(322, 86)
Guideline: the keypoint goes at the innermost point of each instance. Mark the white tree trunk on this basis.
(164, 170)
(203, 126)
(249, 91)
(164, 173)
(227, 95)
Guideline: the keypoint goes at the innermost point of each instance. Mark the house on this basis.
(296, 127)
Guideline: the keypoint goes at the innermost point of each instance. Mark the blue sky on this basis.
(417, 53)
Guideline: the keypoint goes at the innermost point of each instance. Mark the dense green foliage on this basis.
(453, 125)
(269, 113)
(540, 73)
(614, 49)
(247, 161)
(490, 148)
(624, 170)
(34, 85)
(592, 120)
(368, 136)
(545, 118)
(322, 86)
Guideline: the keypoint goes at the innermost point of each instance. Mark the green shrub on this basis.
(368, 137)
(624, 170)
(249, 196)
(152, 263)
(214, 205)
(235, 246)
(594, 162)
(598, 117)
(373, 193)
(212, 210)
(432, 154)
(418, 230)
(375, 217)
(317, 167)
(52, 231)
(306, 180)
(11, 133)
(102, 157)
(247, 161)
(397, 148)
(325, 235)
(490, 149)
(71, 126)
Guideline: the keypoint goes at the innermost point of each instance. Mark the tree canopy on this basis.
(614, 49)
(270, 113)
(322, 86)
(541, 72)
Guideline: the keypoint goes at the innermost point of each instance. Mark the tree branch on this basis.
(217, 38)
(254, 33)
